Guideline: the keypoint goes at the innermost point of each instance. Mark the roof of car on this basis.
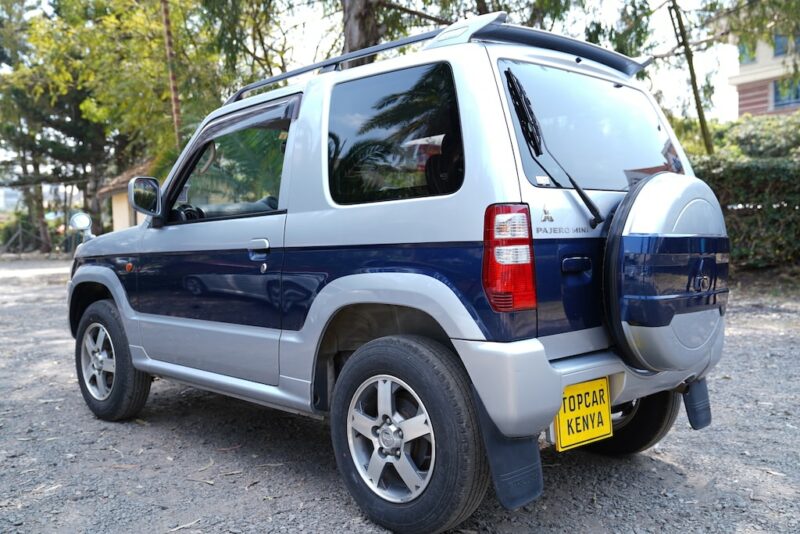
(485, 28)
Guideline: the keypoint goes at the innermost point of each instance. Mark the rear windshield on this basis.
(604, 134)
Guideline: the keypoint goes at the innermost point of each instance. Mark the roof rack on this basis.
(490, 27)
(334, 63)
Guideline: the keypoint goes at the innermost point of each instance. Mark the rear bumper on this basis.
(521, 389)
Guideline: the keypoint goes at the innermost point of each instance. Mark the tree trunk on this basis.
(173, 83)
(680, 33)
(45, 244)
(361, 28)
(41, 224)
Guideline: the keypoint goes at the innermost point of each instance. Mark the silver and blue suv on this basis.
(447, 254)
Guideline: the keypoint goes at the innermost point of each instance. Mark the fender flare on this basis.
(106, 277)
(413, 290)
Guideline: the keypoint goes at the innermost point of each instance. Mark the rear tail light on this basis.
(508, 275)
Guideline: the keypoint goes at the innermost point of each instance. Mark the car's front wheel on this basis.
(406, 436)
(112, 388)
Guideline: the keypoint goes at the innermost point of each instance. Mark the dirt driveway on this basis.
(199, 462)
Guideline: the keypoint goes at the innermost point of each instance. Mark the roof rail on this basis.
(490, 27)
(334, 63)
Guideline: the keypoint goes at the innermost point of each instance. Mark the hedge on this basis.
(760, 198)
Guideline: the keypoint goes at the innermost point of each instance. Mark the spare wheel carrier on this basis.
(665, 274)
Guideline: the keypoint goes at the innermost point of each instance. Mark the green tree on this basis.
(367, 22)
(630, 34)
(751, 21)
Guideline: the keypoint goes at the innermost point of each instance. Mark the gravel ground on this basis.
(200, 462)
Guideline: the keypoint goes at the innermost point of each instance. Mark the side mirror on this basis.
(144, 195)
(82, 222)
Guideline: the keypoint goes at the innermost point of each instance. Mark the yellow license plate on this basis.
(585, 414)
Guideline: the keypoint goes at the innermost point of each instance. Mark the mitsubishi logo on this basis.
(702, 282)
(546, 217)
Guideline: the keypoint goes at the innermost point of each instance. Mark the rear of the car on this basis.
(626, 249)
(523, 193)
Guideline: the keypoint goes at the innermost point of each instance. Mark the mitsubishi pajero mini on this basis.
(448, 254)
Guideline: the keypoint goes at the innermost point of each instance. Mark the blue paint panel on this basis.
(661, 275)
(307, 271)
(223, 286)
(573, 300)
(227, 286)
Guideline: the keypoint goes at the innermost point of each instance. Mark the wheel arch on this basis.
(354, 325)
(92, 283)
(84, 295)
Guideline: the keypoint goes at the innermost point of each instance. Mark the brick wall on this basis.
(754, 97)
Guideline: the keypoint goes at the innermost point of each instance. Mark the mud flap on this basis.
(515, 462)
(698, 405)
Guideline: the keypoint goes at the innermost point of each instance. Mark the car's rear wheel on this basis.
(640, 424)
(112, 388)
(406, 435)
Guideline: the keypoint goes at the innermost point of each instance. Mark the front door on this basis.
(209, 280)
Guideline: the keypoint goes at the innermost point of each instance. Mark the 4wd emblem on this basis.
(546, 217)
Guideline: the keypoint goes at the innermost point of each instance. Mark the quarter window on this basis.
(395, 135)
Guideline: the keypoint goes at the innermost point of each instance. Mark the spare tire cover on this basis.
(665, 274)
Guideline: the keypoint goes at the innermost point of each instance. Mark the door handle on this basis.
(257, 249)
(576, 264)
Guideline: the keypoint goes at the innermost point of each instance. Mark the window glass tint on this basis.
(746, 55)
(786, 93)
(238, 173)
(781, 45)
(605, 135)
(395, 135)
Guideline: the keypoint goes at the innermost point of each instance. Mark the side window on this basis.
(395, 135)
(238, 170)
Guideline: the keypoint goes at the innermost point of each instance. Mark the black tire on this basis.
(460, 474)
(129, 387)
(646, 423)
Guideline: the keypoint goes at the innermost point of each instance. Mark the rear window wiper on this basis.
(532, 133)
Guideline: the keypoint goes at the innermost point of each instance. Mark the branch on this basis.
(415, 13)
(674, 50)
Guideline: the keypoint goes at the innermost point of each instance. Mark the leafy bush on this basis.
(760, 198)
(762, 136)
(767, 136)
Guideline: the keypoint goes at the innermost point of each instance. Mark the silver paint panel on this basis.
(490, 172)
(689, 340)
(246, 352)
(673, 205)
(522, 390)
(517, 385)
(121, 242)
(577, 342)
(289, 395)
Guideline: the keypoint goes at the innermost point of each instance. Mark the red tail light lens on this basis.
(508, 275)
